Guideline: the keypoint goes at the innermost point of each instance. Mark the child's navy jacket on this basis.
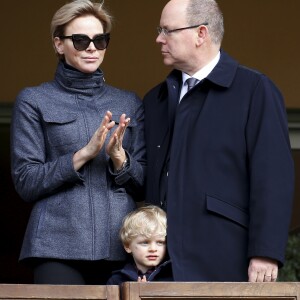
(162, 272)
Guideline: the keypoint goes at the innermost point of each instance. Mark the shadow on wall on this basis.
(14, 215)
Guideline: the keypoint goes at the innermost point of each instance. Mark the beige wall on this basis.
(263, 34)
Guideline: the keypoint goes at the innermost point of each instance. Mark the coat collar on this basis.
(224, 72)
(76, 81)
(222, 75)
(130, 270)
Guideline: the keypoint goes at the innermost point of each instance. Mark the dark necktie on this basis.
(191, 82)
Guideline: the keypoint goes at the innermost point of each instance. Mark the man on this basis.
(219, 157)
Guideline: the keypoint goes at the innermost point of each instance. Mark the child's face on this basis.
(147, 252)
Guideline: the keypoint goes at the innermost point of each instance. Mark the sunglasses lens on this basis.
(80, 42)
(101, 41)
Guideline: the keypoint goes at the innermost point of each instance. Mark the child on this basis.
(143, 235)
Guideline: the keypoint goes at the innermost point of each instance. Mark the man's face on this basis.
(177, 48)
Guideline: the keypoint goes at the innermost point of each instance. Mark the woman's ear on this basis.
(59, 45)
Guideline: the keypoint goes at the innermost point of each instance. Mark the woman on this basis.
(82, 178)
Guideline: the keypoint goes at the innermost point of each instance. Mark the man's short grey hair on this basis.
(201, 11)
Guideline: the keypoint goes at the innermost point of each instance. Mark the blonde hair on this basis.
(76, 9)
(146, 221)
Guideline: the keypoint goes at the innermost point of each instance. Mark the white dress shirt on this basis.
(201, 74)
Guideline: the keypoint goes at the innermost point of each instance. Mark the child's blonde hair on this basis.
(146, 221)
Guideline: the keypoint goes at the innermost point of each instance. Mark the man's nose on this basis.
(160, 39)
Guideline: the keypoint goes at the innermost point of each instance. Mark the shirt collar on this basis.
(202, 73)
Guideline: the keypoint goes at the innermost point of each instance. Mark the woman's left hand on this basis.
(114, 147)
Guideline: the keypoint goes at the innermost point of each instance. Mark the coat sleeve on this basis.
(33, 175)
(133, 176)
(271, 173)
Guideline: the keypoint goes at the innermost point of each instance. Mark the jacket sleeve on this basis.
(132, 178)
(33, 175)
(271, 173)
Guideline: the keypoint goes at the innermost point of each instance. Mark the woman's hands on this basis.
(114, 147)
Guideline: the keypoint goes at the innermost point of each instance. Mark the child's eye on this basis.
(144, 243)
(161, 243)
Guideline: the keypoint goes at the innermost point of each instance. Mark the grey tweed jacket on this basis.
(76, 215)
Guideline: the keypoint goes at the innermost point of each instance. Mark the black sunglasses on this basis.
(82, 41)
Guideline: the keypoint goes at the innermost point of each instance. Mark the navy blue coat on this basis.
(231, 174)
(162, 272)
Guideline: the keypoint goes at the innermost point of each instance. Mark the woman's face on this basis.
(88, 60)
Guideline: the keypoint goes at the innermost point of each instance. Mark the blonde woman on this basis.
(78, 154)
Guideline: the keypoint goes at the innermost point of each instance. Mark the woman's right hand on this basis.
(96, 143)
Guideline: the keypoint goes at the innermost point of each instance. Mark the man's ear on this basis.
(202, 33)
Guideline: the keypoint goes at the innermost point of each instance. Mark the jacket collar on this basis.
(131, 272)
(222, 75)
(224, 72)
(76, 81)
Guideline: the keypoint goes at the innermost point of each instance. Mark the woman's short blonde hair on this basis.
(147, 221)
(76, 9)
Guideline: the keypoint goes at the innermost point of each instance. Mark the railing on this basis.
(156, 291)
(212, 290)
(49, 292)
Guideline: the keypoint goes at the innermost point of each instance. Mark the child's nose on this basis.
(152, 247)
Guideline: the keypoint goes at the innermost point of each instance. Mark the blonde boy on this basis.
(143, 234)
